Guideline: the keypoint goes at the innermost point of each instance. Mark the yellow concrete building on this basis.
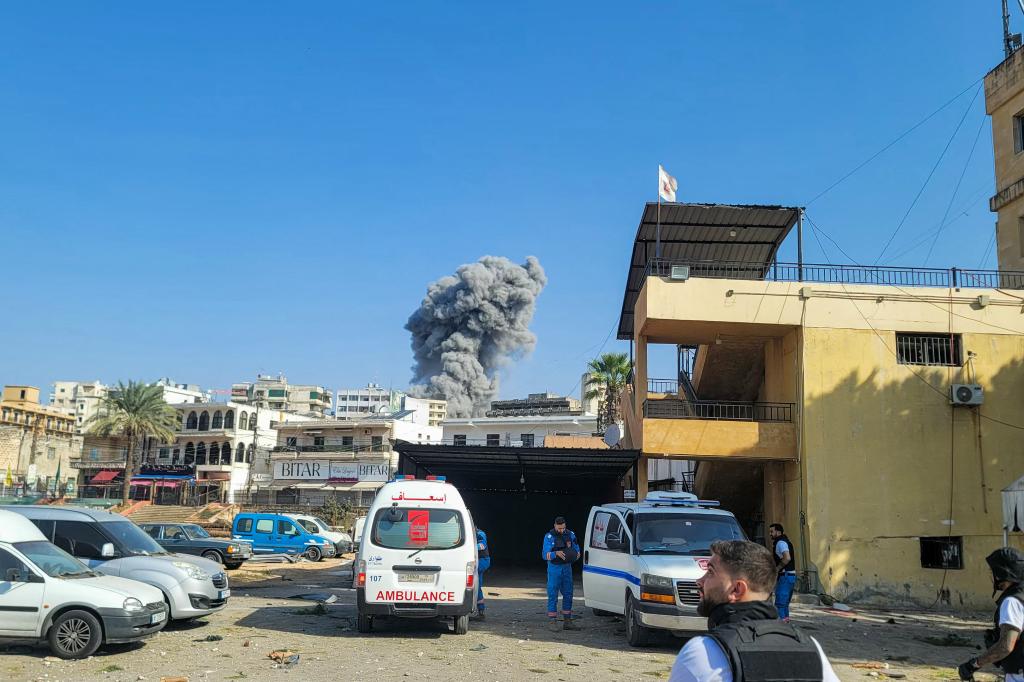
(820, 397)
(1004, 102)
(35, 440)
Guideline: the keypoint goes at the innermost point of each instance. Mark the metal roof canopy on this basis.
(702, 232)
(500, 462)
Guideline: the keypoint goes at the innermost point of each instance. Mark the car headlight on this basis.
(231, 549)
(192, 571)
(656, 580)
(132, 604)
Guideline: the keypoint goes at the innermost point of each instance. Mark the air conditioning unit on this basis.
(680, 273)
(966, 394)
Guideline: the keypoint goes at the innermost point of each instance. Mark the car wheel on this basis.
(603, 613)
(636, 634)
(213, 555)
(364, 623)
(75, 634)
(233, 566)
(314, 554)
(461, 624)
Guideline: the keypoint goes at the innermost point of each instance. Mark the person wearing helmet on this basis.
(1006, 647)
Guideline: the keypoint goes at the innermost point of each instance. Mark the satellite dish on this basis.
(612, 435)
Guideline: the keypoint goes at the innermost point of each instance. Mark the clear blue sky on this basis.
(211, 190)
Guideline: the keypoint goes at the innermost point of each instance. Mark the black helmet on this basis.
(1007, 563)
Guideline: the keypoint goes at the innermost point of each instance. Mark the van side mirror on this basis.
(107, 550)
(14, 575)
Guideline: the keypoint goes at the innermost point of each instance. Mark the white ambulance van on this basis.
(45, 593)
(418, 557)
(642, 561)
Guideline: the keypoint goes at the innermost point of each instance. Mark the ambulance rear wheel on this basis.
(461, 624)
(364, 623)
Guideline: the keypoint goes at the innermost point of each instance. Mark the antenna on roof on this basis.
(1011, 41)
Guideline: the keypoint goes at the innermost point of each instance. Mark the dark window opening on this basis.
(493, 440)
(929, 349)
(458, 440)
(944, 553)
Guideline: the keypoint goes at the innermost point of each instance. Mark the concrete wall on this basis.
(882, 450)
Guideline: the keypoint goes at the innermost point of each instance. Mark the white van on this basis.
(417, 558)
(357, 531)
(45, 593)
(317, 526)
(642, 561)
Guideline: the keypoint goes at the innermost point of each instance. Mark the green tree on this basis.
(606, 378)
(134, 412)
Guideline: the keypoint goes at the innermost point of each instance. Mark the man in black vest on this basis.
(1006, 647)
(785, 562)
(746, 640)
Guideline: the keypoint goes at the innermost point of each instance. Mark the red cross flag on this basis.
(667, 185)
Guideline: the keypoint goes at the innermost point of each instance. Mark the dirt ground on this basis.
(513, 643)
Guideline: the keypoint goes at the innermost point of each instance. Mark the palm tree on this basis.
(607, 376)
(134, 412)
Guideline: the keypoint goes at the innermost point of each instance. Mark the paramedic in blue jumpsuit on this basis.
(560, 550)
(484, 555)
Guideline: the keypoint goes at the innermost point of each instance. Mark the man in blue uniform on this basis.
(560, 550)
(484, 557)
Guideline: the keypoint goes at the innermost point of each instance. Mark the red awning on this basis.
(106, 476)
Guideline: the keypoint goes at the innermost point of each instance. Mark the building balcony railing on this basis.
(838, 274)
(383, 447)
(669, 408)
(662, 386)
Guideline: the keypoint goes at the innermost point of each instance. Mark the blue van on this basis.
(280, 534)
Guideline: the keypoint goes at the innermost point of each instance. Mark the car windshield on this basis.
(53, 560)
(402, 528)
(686, 534)
(308, 525)
(196, 532)
(133, 539)
(323, 524)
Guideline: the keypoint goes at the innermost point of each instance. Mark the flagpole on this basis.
(657, 230)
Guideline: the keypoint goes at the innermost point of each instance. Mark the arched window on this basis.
(218, 420)
(240, 453)
(252, 421)
(229, 419)
(201, 453)
(214, 453)
(250, 453)
(190, 452)
(243, 419)
(192, 423)
(204, 421)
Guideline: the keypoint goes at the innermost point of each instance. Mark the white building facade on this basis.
(526, 431)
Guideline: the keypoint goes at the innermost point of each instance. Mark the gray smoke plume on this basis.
(470, 325)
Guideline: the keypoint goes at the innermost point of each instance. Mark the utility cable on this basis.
(930, 174)
(942, 223)
(891, 144)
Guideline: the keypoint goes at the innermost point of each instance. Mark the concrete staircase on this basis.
(158, 513)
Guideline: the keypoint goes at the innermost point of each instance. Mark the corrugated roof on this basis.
(702, 232)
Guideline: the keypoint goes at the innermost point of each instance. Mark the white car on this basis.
(45, 593)
(642, 561)
(317, 526)
(418, 557)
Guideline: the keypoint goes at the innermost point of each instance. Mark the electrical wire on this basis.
(935, 167)
(942, 223)
(891, 144)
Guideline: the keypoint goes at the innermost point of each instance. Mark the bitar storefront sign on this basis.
(326, 470)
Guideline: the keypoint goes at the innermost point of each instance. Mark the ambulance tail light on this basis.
(361, 575)
(470, 574)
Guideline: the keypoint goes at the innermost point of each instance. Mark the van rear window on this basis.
(404, 528)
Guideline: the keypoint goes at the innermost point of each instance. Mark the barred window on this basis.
(929, 349)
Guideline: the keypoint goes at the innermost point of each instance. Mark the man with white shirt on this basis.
(745, 639)
(1006, 646)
